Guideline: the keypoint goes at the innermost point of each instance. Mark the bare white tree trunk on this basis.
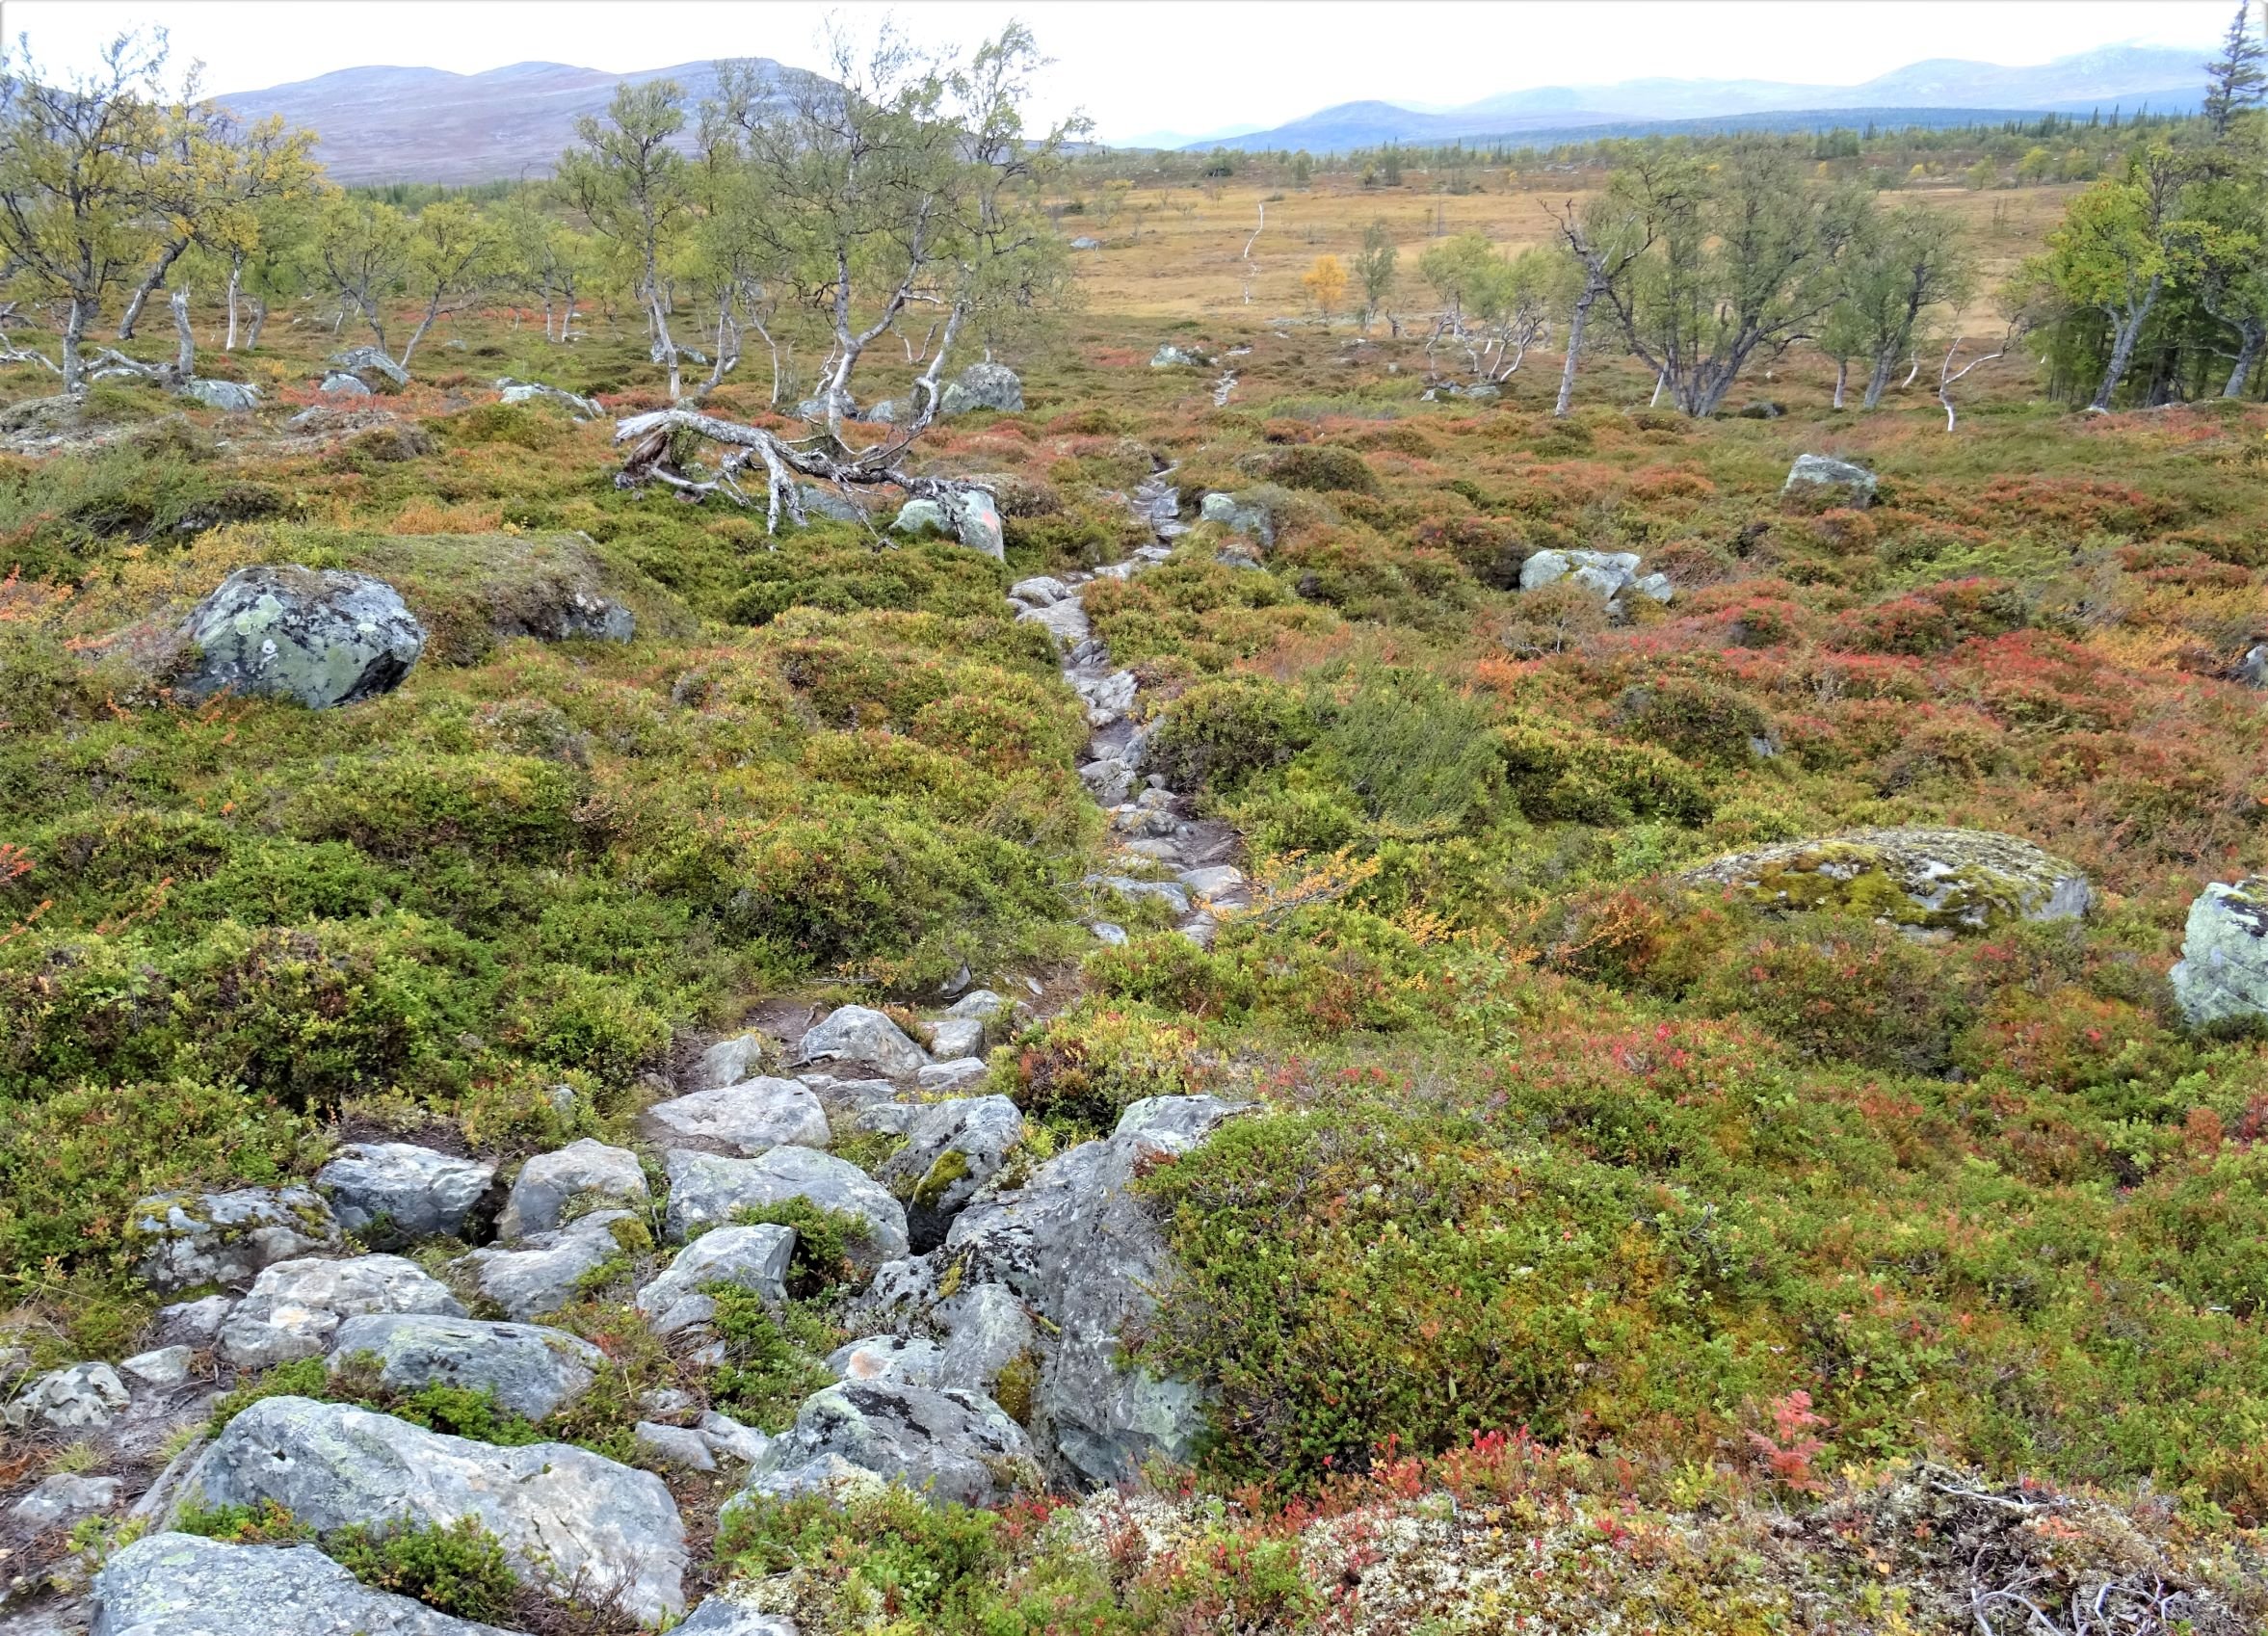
(1946, 377)
(235, 282)
(185, 358)
(1842, 376)
(251, 338)
(1659, 381)
(74, 331)
(1248, 252)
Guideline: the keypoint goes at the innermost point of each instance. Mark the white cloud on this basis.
(1139, 65)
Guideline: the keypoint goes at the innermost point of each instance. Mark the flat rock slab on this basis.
(952, 1445)
(1918, 880)
(704, 1190)
(295, 1307)
(183, 1585)
(533, 1371)
(567, 1519)
(747, 1118)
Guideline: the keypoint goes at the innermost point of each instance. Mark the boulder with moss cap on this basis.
(1924, 881)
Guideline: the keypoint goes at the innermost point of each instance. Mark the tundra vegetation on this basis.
(1606, 1247)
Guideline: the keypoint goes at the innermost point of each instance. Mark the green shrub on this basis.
(1842, 990)
(829, 1243)
(1418, 755)
(459, 1567)
(766, 1373)
(1699, 721)
(1220, 732)
(1322, 467)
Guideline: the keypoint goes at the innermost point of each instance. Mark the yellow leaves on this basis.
(1326, 284)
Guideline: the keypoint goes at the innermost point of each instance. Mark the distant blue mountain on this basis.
(2167, 80)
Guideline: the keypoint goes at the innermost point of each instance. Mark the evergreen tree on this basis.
(2234, 79)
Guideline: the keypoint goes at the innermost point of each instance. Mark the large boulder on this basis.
(1608, 573)
(1822, 477)
(951, 1444)
(390, 1193)
(984, 386)
(533, 1371)
(952, 1148)
(859, 1034)
(2224, 969)
(704, 1190)
(1246, 515)
(186, 1585)
(511, 391)
(338, 384)
(567, 1519)
(748, 1258)
(324, 637)
(748, 1118)
(968, 514)
(232, 396)
(295, 1307)
(181, 1240)
(1075, 1245)
(366, 361)
(581, 1172)
(547, 1271)
(1925, 881)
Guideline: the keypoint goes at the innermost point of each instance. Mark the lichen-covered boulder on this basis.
(751, 1257)
(1170, 357)
(2224, 969)
(180, 1240)
(64, 1498)
(532, 1370)
(952, 1148)
(369, 360)
(1608, 573)
(1921, 880)
(969, 514)
(1823, 477)
(186, 1585)
(232, 396)
(82, 1396)
(338, 384)
(1239, 515)
(984, 386)
(324, 637)
(388, 1193)
(295, 1307)
(748, 1118)
(860, 1033)
(549, 1183)
(951, 1444)
(547, 1271)
(511, 391)
(569, 1520)
(704, 1190)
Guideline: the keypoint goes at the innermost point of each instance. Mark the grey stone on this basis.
(860, 1035)
(533, 1371)
(512, 391)
(673, 1446)
(748, 1118)
(1064, 621)
(911, 1360)
(184, 1239)
(1239, 515)
(728, 1061)
(1109, 780)
(842, 1099)
(1076, 1245)
(295, 1307)
(1816, 472)
(1219, 881)
(749, 1258)
(2223, 973)
(984, 386)
(952, 1037)
(1041, 591)
(1109, 933)
(231, 396)
(704, 1191)
(815, 407)
(968, 514)
(952, 1150)
(162, 1366)
(369, 360)
(548, 1183)
(1167, 892)
(831, 503)
(61, 1499)
(979, 1003)
(73, 1399)
(728, 1440)
(340, 384)
(323, 637)
(193, 1323)
(392, 1193)
(954, 1074)
(1951, 880)
(721, 1615)
(1169, 356)
(567, 1518)
(953, 1445)
(1083, 242)
(1606, 572)
(184, 1585)
(546, 1271)
(1654, 588)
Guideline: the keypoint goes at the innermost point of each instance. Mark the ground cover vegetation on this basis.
(1606, 1249)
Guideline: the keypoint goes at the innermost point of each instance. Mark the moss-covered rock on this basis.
(2224, 968)
(1921, 880)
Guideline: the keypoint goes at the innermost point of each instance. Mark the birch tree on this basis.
(631, 184)
(2114, 251)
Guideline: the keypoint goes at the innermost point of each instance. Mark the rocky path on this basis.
(991, 1283)
(1155, 833)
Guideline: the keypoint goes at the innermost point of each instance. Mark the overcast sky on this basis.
(1139, 67)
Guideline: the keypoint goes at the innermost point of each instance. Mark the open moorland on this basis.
(1347, 1005)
